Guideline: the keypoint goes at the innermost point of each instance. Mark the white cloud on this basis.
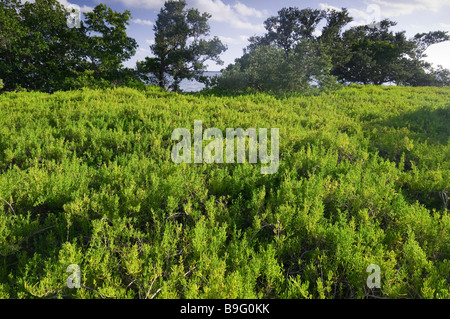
(142, 22)
(377, 10)
(243, 10)
(437, 54)
(144, 4)
(150, 41)
(235, 15)
(326, 6)
(248, 26)
(66, 3)
(143, 50)
(394, 8)
(445, 26)
(242, 39)
(84, 8)
(372, 13)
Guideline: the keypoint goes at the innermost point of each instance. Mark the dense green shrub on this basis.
(269, 68)
(87, 179)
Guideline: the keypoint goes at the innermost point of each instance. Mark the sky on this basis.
(234, 21)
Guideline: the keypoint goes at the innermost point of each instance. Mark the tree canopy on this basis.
(181, 48)
(302, 49)
(39, 51)
(377, 55)
(367, 54)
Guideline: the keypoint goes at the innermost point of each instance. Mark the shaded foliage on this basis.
(39, 51)
(367, 54)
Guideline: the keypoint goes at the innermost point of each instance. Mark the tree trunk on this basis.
(161, 74)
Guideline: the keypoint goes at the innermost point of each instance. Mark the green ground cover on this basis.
(86, 178)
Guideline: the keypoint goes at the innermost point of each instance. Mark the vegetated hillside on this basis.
(87, 179)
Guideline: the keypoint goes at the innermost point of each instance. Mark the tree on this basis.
(108, 45)
(270, 68)
(289, 57)
(34, 41)
(331, 38)
(11, 34)
(290, 26)
(335, 22)
(371, 52)
(368, 54)
(39, 51)
(180, 48)
(424, 40)
(375, 55)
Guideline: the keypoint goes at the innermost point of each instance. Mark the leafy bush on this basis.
(268, 68)
(87, 179)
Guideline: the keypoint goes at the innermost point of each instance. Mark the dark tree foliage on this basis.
(367, 54)
(39, 51)
(107, 43)
(424, 40)
(290, 56)
(34, 41)
(373, 52)
(180, 48)
(377, 55)
(291, 25)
